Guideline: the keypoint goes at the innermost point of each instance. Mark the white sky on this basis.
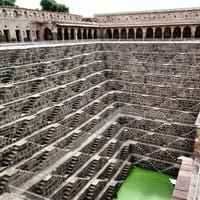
(89, 7)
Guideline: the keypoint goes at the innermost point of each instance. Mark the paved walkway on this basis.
(28, 45)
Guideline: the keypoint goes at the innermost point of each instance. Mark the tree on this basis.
(52, 5)
(7, 2)
(62, 8)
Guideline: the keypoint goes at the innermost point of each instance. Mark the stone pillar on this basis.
(92, 30)
(163, 32)
(11, 35)
(76, 34)
(182, 28)
(112, 30)
(119, 30)
(22, 36)
(104, 33)
(172, 31)
(54, 32)
(32, 36)
(144, 33)
(154, 29)
(69, 31)
(63, 33)
(81, 34)
(135, 31)
(41, 34)
(127, 33)
(193, 30)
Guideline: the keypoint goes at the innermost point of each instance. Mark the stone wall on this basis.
(34, 15)
(76, 118)
(150, 18)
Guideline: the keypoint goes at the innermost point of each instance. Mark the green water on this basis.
(143, 184)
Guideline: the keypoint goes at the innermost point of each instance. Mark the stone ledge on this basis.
(183, 181)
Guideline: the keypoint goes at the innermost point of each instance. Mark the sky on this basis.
(87, 8)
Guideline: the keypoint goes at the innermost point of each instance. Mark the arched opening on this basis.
(108, 34)
(116, 34)
(59, 34)
(89, 34)
(38, 35)
(28, 36)
(158, 32)
(197, 32)
(66, 34)
(167, 32)
(79, 35)
(177, 32)
(149, 33)
(4, 13)
(95, 34)
(123, 34)
(139, 33)
(72, 36)
(48, 35)
(18, 35)
(16, 14)
(26, 14)
(131, 34)
(84, 34)
(187, 32)
(34, 14)
(7, 35)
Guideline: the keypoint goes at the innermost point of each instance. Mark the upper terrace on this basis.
(139, 18)
(150, 18)
(36, 15)
(19, 25)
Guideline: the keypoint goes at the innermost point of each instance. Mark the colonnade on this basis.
(71, 34)
(81, 33)
(168, 32)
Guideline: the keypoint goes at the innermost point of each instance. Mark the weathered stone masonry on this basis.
(76, 118)
(24, 25)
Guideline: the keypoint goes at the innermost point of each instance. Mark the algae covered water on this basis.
(144, 184)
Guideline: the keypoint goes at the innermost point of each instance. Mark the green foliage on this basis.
(62, 8)
(7, 2)
(52, 5)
